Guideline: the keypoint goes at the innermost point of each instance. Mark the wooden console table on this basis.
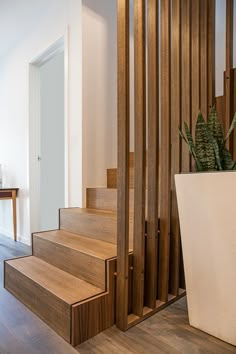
(11, 193)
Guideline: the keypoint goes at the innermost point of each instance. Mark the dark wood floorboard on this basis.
(21, 332)
(166, 332)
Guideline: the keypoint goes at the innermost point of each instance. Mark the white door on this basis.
(52, 142)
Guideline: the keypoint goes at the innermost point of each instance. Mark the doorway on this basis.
(48, 142)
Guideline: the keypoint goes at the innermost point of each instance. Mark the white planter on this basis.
(207, 211)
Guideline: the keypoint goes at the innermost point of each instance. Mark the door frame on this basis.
(59, 46)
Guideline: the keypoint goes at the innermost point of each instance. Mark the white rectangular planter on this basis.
(207, 211)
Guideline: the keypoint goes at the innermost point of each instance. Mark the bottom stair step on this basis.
(47, 291)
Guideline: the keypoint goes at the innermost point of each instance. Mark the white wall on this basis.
(49, 24)
(52, 142)
(99, 89)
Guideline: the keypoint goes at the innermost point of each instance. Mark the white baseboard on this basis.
(10, 235)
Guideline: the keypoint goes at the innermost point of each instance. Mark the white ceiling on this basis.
(13, 23)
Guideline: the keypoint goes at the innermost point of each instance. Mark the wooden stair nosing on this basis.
(59, 283)
(91, 223)
(82, 257)
(96, 248)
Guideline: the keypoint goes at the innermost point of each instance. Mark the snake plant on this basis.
(209, 149)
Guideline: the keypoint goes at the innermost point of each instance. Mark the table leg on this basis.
(14, 215)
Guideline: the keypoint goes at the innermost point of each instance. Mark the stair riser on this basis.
(101, 227)
(52, 310)
(79, 264)
(105, 199)
(112, 178)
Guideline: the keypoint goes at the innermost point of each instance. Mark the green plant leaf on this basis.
(227, 160)
(231, 127)
(216, 148)
(215, 126)
(204, 147)
(182, 136)
(192, 147)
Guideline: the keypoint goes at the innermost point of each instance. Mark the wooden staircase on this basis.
(69, 281)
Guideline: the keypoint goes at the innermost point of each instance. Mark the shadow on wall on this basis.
(99, 89)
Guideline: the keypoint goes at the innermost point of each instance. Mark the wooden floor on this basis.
(21, 332)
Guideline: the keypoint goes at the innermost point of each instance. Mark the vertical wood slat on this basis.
(165, 183)
(153, 158)
(211, 52)
(229, 34)
(140, 154)
(186, 77)
(204, 57)
(195, 62)
(175, 144)
(229, 72)
(234, 110)
(123, 166)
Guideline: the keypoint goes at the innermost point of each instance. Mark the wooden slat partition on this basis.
(186, 77)
(140, 154)
(204, 57)
(153, 158)
(195, 63)
(123, 165)
(229, 74)
(165, 77)
(175, 147)
(229, 34)
(211, 52)
(177, 87)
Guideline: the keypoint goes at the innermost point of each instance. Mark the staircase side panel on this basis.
(97, 314)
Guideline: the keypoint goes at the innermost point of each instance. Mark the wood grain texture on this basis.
(220, 107)
(167, 331)
(229, 33)
(140, 153)
(234, 110)
(52, 310)
(204, 57)
(80, 256)
(123, 163)
(164, 239)
(175, 144)
(186, 77)
(211, 52)
(97, 224)
(195, 64)
(112, 177)
(92, 317)
(229, 102)
(153, 156)
(66, 287)
(106, 199)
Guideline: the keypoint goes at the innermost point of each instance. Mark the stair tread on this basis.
(109, 213)
(98, 212)
(94, 247)
(65, 286)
